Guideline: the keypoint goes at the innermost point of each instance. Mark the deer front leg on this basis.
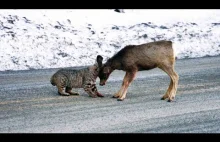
(129, 77)
(116, 95)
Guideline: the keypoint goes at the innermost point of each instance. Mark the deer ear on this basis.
(99, 60)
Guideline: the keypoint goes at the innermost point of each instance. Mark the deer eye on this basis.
(106, 76)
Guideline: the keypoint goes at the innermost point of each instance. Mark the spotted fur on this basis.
(67, 79)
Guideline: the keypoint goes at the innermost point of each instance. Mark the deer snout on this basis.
(102, 83)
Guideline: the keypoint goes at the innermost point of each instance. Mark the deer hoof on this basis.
(171, 100)
(119, 99)
(115, 96)
(162, 98)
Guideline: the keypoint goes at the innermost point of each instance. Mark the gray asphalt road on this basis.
(30, 104)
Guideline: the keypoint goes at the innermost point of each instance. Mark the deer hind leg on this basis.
(69, 90)
(174, 78)
(129, 77)
(168, 90)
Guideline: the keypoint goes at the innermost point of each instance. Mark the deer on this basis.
(146, 56)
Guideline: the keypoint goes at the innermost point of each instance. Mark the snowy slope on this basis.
(36, 39)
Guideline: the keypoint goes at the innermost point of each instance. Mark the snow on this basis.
(38, 39)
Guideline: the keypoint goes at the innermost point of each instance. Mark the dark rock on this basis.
(215, 24)
(93, 32)
(163, 27)
(11, 21)
(69, 21)
(119, 10)
(57, 27)
(115, 27)
(144, 36)
(193, 23)
(27, 20)
(63, 54)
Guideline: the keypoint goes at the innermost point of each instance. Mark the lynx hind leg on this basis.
(61, 83)
(62, 91)
(69, 90)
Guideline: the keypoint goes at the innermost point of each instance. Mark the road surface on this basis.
(30, 104)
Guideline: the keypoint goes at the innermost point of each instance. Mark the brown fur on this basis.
(134, 58)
